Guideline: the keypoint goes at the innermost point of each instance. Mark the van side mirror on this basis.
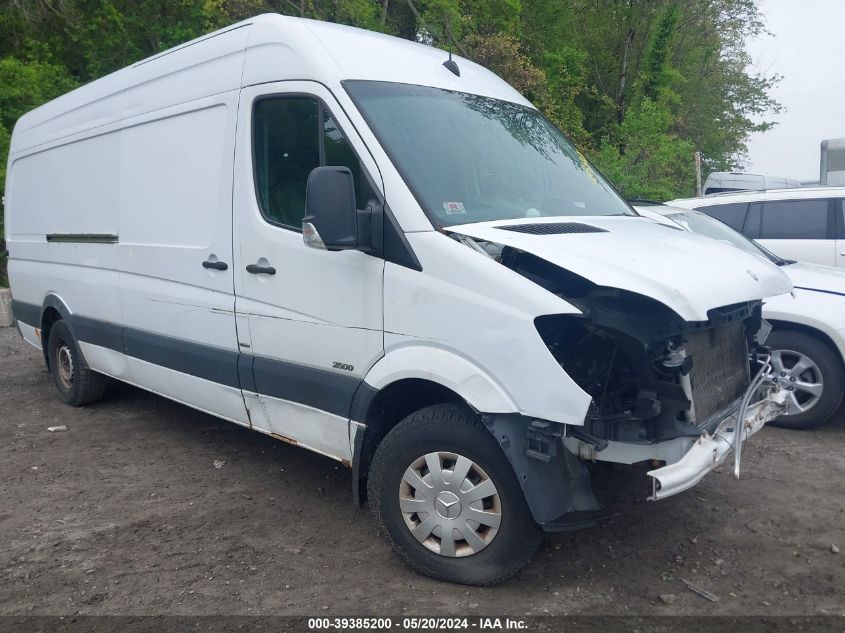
(331, 219)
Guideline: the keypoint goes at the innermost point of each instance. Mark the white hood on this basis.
(689, 273)
(815, 277)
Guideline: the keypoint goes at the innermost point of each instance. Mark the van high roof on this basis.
(263, 49)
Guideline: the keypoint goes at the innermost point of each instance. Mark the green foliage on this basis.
(638, 85)
(656, 164)
(656, 74)
(25, 85)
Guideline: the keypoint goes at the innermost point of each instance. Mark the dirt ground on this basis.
(147, 507)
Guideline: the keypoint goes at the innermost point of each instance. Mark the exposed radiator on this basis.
(720, 371)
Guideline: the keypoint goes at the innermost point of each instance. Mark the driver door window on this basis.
(291, 136)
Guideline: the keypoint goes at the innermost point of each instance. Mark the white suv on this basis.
(803, 224)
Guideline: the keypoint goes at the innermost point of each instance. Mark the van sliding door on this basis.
(176, 265)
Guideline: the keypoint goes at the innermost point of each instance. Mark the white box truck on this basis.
(335, 238)
(832, 163)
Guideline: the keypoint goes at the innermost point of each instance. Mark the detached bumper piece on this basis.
(712, 449)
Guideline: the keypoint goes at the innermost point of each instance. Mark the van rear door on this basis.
(314, 317)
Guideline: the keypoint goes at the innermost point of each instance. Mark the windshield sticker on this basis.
(454, 208)
(585, 165)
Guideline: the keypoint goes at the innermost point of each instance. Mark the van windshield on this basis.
(469, 158)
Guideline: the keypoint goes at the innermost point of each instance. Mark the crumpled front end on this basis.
(712, 449)
(684, 397)
(667, 382)
(663, 390)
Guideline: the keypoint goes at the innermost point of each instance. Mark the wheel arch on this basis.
(809, 330)
(406, 379)
(444, 367)
(376, 411)
(52, 309)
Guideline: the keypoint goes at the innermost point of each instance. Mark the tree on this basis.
(655, 80)
(656, 164)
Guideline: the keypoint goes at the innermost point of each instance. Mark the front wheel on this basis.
(813, 377)
(448, 499)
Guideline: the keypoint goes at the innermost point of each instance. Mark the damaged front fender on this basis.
(556, 483)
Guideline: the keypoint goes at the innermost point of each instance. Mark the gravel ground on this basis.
(144, 506)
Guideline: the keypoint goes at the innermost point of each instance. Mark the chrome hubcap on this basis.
(450, 504)
(65, 365)
(800, 376)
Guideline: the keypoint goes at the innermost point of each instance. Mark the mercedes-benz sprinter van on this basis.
(345, 241)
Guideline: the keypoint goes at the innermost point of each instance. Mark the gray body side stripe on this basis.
(318, 388)
(27, 313)
(203, 361)
(100, 333)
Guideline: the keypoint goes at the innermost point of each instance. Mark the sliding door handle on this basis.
(255, 269)
(215, 265)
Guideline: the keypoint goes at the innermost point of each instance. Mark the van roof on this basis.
(797, 193)
(263, 49)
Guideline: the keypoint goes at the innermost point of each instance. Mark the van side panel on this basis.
(192, 72)
(53, 195)
(62, 230)
(118, 193)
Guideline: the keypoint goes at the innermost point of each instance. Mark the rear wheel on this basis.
(813, 376)
(76, 383)
(448, 499)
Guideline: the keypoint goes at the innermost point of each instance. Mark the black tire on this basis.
(76, 383)
(830, 366)
(452, 428)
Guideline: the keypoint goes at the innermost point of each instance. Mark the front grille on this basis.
(552, 228)
(720, 371)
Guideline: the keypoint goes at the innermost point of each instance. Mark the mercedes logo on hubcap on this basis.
(448, 505)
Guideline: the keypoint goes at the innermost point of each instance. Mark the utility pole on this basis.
(698, 173)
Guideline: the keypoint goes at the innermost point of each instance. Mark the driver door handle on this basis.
(255, 269)
(215, 265)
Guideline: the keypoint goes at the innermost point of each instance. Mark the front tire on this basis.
(448, 499)
(814, 373)
(76, 383)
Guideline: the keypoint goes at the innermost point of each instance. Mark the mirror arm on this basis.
(366, 234)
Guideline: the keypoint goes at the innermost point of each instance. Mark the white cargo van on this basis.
(333, 237)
